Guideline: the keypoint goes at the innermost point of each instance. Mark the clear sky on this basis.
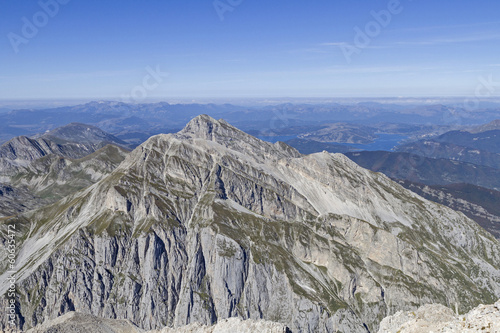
(295, 48)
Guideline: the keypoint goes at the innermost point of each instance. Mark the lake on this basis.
(384, 141)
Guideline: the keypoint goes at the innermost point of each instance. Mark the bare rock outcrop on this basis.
(74, 322)
(437, 318)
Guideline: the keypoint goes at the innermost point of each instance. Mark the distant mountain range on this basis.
(482, 148)
(426, 170)
(41, 170)
(134, 123)
(71, 141)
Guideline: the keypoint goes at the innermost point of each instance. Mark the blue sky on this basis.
(101, 49)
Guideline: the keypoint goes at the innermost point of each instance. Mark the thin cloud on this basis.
(456, 40)
(377, 69)
(432, 42)
(335, 70)
(73, 76)
(445, 27)
(340, 44)
(309, 50)
(233, 60)
(334, 44)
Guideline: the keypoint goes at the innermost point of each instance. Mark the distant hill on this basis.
(425, 170)
(481, 148)
(110, 116)
(83, 134)
(485, 140)
(342, 133)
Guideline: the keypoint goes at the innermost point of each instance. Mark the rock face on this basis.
(211, 223)
(440, 319)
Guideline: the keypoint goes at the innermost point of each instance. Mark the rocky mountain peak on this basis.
(203, 129)
(206, 127)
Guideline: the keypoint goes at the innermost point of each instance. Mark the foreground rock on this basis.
(73, 322)
(439, 319)
(230, 325)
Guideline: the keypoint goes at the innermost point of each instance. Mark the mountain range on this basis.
(134, 123)
(481, 148)
(41, 170)
(211, 223)
(426, 170)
